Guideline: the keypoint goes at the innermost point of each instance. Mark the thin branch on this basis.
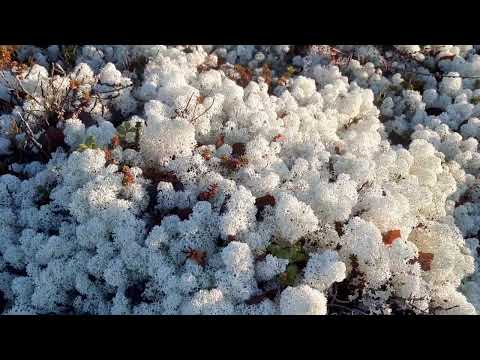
(60, 68)
(203, 113)
(113, 90)
(26, 92)
(31, 136)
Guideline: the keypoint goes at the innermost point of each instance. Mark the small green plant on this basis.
(43, 195)
(475, 100)
(124, 129)
(380, 97)
(291, 70)
(89, 143)
(289, 276)
(297, 258)
(412, 84)
(293, 253)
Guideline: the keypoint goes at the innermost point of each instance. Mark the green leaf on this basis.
(288, 277)
(292, 253)
(90, 143)
(124, 128)
(42, 191)
(475, 100)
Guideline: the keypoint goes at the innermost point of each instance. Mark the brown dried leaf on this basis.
(283, 80)
(220, 141)
(206, 154)
(128, 177)
(263, 201)
(183, 213)
(6, 56)
(278, 138)
(425, 260)
(390, 236)
(108, 154)
(209, 193)
(197, 256)
(115, 141)
(74, 84)
(238, 149)
(339, 228)
(267, 74)
(245, 75)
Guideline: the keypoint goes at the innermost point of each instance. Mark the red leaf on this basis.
(425, 260)
(183, 213)
(116, 141)
(128, 177)
(238, 149)
(390, 236)
(206, 154)
(208, 194)
(197, 256)
(263, 201)
(220, 141)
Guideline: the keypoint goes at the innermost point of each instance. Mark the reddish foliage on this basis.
(278, 138)
(425, 260)
(205, 67)
(281, 114)
(196, 255)
(238, 149)
(339, 149)
(128, 177)
(339, 228)
(233, 163)
(157, 176)
(231, 238)
(86, 118)
(267, 75)
(245, 75)
(207, 195)
(183, 213)
(220, 141)
(108, 155)
(390, 236)
(6, 56)
(87, 96)
(220, 61)
(206, 154)
(263, 201)
(51, 139)
(74, 84)
(283, 80)
(115, 141)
